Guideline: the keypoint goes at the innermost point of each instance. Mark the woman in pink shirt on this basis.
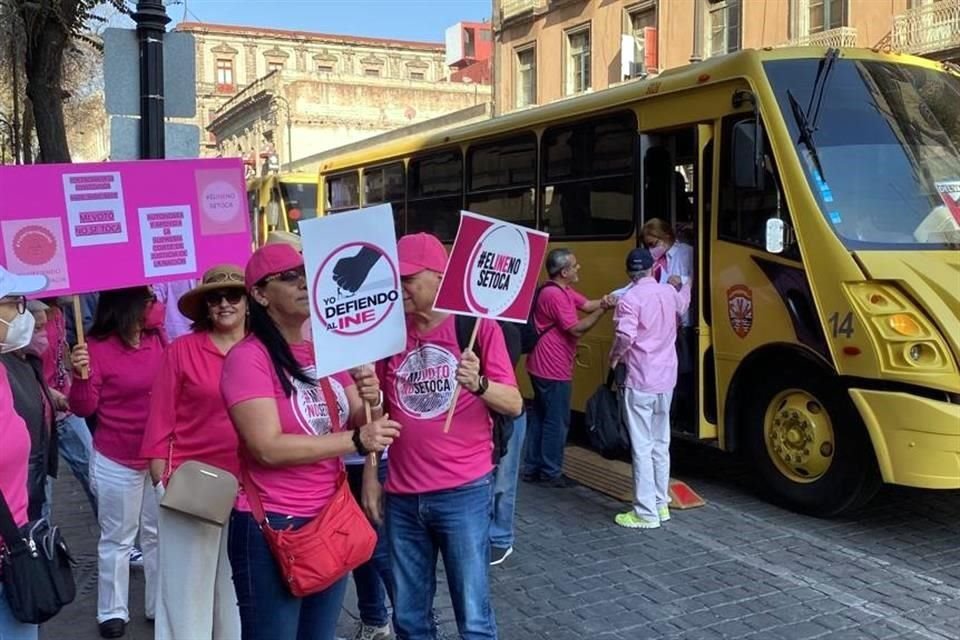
(188, 421)
(16, 329)
(123, 355)
(290, 455)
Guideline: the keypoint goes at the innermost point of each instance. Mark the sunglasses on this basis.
(20, 301)
(288, 277)
(223, 276)
(215, 298)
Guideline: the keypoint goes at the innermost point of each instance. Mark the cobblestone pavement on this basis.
(736, 568)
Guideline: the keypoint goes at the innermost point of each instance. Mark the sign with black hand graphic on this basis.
(354, 286)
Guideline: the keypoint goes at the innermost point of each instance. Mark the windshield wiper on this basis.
(807, 120)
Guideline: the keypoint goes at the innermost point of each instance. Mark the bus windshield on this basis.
(880, 146)
(299, 201)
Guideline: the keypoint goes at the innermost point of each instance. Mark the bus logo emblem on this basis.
(740, 309)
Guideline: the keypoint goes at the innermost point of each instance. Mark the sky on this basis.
(423, 20)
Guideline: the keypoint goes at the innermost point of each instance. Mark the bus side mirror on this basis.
(776, 235)
(273, 213)
(748, 147)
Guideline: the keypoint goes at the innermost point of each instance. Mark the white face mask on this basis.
(19, 332)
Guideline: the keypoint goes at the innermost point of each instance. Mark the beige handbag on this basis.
(201, 491)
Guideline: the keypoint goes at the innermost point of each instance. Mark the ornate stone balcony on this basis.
(928, 29)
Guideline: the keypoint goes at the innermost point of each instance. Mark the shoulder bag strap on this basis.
(333, 410)
(253, 496)
(8, 527)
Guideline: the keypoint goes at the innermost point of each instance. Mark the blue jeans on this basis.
(373, 579)
(75, 443)
(455, 524)
(268, 611)
(547, 428)
(505, 487)
(10, 627)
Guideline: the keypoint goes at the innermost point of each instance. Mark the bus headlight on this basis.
(905, 338)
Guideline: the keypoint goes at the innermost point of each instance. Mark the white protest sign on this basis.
(353, 276)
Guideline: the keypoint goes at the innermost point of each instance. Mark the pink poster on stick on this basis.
(492, 270)
(95, 227)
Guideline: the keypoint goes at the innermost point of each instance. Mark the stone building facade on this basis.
(295, 93)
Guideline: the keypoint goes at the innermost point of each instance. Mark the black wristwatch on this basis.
(358, 444)
(482, 385)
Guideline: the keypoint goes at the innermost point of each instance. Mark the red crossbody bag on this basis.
(338, 540)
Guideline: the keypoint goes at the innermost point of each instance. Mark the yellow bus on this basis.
(280, 202)
(819, 188)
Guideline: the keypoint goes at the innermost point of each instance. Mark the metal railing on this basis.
(512, 8)
(839, 37)
(929, 28)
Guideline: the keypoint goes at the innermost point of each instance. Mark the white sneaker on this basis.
(664, 512)
(369, 632)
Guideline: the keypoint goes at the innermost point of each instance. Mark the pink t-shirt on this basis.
(14, 454)
(118, 391)
(188, 409)
(248, 374)
(555, 315)
(418, 387)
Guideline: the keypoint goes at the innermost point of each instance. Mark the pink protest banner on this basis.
(492, 270)
(93, 227)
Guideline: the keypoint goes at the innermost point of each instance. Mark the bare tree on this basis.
(48, 28)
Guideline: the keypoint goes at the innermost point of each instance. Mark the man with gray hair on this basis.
(646, 323)
(550, 365)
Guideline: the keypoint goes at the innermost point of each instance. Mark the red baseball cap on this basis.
(271, 259)
(421, 251)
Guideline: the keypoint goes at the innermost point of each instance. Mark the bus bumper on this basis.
(917, 441)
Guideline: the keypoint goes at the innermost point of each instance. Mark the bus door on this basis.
(676, 192)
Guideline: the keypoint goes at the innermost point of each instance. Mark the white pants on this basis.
(648, 419)
(196, 599)
(126, 502)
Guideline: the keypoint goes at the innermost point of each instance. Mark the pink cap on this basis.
(421, 251)
(269, 260)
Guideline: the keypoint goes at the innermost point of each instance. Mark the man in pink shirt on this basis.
(550, 366)
(440, 484)
(646, 322)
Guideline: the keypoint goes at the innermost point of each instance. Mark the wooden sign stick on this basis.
(81, 340)
(369, 413)
(456, 389)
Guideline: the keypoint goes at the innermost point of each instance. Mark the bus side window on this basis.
(387, 184)
(343, 192)
(435, 194)
(743, 213)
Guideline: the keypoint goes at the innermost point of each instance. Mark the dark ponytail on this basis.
(265, 329)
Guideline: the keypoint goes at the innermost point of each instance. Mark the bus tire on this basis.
(805, 439)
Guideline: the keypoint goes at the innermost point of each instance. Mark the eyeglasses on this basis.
(20, 301)
(288, 277)
(223, 276)
(215, 298)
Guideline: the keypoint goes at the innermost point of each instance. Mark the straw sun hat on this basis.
(224, 276)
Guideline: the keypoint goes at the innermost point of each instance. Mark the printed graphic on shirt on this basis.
(740, 309)
(425, 381)
(309, 407)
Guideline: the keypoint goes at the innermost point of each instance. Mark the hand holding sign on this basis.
(468, 371)
(350, 273)
(379, 434)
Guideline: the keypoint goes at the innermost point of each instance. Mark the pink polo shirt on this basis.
(418, 387)
(646, 323)
(248, 374)
(118, 391)
(187, 409)
(14, 454)
(555, 315)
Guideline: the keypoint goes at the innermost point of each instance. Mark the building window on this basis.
(324, 68)
(827, 14)
(526, 77)
(417, 75)
(274, 65)
(578, 60)
(724, 27)
(371, 73)
(224, 75)
(469, 44)
(639, 21)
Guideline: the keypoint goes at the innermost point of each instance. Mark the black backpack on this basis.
(606, 424)
(528, 332)
(502, 425)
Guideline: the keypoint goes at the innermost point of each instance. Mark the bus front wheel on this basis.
(808, 444)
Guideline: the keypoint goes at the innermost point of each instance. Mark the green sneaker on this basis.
(664, 512)
(631, 520)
